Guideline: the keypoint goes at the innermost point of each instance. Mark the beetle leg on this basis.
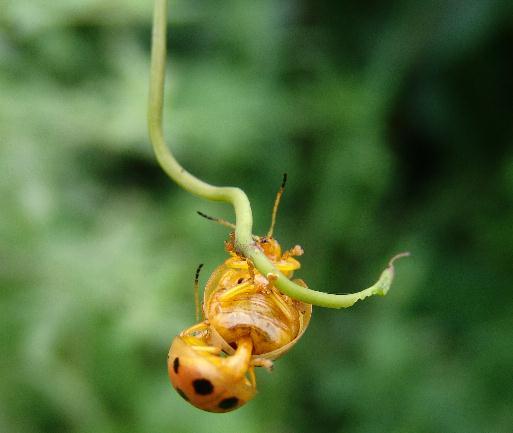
(271, 278)
(277, 297)
(293, 252)
(195, 329)
(251, 270)
(252, 376)
(240, 361)
(288, 265)
(231, 293)
(263, 362)
(208, 349)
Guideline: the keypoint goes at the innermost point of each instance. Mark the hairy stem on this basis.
(244, 242)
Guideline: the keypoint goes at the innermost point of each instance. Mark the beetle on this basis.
(207, 379)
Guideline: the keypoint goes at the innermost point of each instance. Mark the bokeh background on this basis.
(394, 123)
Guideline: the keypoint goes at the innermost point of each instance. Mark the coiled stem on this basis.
(244, 242)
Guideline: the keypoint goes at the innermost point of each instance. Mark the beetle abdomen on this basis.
(269, 325)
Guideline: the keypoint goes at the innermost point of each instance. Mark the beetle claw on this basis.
(263, 362)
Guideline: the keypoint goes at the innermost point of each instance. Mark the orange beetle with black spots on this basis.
(205, 378)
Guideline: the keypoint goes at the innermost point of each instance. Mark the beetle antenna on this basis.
(276, 204)
(217, 220)
(222, 222)
(196, 292)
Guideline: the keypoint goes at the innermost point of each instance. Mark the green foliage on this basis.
(394, 125)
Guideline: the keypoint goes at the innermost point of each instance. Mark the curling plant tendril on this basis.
(244, 239)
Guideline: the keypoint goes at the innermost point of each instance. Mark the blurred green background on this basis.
(394, 123)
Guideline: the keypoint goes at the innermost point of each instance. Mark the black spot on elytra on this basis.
(228, 403)
(203, 386)
(176, 365)
(240, 280)
(182, 394)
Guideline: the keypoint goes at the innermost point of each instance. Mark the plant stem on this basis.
(244, 243)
